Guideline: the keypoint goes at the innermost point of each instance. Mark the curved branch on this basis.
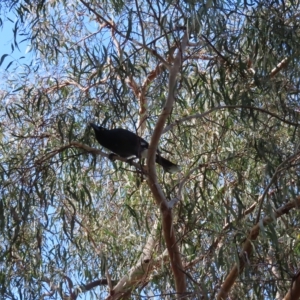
(142, 271)
(247, 247)
(142, 98)
(161, 201)
(215, 244)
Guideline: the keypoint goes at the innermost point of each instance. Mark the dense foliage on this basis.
(75, 225)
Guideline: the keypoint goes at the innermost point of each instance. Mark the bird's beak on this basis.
(94, 126)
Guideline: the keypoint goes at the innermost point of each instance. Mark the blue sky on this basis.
(7, 38)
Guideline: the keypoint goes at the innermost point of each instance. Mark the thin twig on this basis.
(196, 116)
(153, 52)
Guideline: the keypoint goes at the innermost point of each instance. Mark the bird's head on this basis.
(97, 128)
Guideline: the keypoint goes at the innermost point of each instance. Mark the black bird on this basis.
(127, 144)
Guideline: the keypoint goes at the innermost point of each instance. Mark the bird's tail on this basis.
(167, 165)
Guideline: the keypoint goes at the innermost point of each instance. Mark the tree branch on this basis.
(283, 166)
(90, 150)
(294, 291)
(160, 58)
(141, 272)
(161, 201)
(248, 248)
(142, 96)
(196, 116)
(279, 67)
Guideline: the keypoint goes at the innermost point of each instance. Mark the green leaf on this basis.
(8, 65)
(2, 58)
